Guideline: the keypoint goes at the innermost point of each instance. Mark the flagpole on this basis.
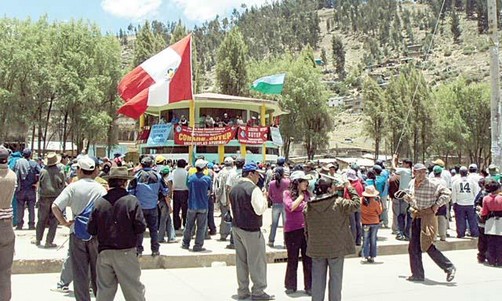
(191, 116)
(263, 123)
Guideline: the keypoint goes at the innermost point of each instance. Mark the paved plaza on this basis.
(384, 280)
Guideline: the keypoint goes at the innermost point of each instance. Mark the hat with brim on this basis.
(439, 162)
(52, 159)
(120, 173)
(370, 191)
(299, 175)
(327, 166)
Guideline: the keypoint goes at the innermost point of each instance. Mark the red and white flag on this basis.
(164, 78)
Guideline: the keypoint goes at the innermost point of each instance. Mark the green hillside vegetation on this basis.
(414, 74)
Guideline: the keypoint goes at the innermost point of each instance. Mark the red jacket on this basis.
(370, 214)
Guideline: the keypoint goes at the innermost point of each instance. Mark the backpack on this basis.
(81, 221)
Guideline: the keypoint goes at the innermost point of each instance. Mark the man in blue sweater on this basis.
(146, 186)
(199, 186)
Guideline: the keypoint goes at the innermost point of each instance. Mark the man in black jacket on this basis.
(117, 220)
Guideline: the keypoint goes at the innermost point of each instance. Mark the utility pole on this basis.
(496, 149)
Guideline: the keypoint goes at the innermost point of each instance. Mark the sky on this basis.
(111, 15)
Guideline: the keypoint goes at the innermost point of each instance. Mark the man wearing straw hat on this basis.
(51, 183)
(117, 219)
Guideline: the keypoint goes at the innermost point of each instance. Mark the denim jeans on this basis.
(384, 217)
(465, 214)
(29, 198)
(319, 271)
(370, 240)
(165, 223)
(151, 218)
(355, 226)
(403, 218)
(277, 211)
(198, 217)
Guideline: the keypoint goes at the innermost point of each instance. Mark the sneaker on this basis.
(61, 289)
(415, 279)
(450, 274)
(200, 249)
(263, 296)
(155, 253)
(50, 245)
(243, 296)
(371, 260)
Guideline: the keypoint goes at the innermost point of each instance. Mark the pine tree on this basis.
(324, 57)
(455, 26)
(470, 7)
(338, 56)
(231, 69)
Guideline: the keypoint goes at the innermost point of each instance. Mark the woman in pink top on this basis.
(276, 190)
(295, 200)
(491, 213)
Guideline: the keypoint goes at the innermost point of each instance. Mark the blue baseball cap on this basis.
(251, 166)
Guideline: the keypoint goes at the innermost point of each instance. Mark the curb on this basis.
(198, 260)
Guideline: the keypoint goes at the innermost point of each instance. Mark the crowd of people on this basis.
(325, 213)
(208, 121)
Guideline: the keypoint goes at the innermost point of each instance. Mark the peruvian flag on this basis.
(164, 78)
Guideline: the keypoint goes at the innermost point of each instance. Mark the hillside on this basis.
(447, 60)
(365, 52)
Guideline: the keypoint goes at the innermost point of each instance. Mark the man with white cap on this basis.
(463, 193)
(221, 193)
(199, 186)
(473, 173)
(79, 196)
(425, 197)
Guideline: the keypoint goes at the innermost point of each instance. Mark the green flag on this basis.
(272, 84)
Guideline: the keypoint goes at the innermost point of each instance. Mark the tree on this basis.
(338, 56)
(231, 72)
(455, 26)
(324, 57)
(147, 44)
(374, 110)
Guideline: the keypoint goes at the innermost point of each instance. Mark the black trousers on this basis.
(494, 250)
(296, 243)
(415, 252)
(180, 203)
(45, 216)
(210, 215)
(482, 245)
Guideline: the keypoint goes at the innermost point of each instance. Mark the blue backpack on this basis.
(81, 221)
